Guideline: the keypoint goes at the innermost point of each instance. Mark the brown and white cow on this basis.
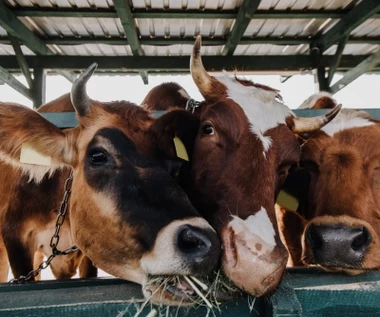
(126, 213)
(240, 154)
(339, 179)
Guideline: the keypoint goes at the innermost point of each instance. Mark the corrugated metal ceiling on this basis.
(111, 28)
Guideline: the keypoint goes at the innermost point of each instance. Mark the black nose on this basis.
(200, 246)
(338, 245)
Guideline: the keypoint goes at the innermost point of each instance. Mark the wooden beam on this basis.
(357, 15)
(177, 14)
(10, 80)
(21, 60)
(365, 66)
(39, 87)
(181, 63)
(243, 18)
(338, 56)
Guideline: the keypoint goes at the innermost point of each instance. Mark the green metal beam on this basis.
(21, 60)
(181, 63)
(18, 30)
(338, 56)
(144, 77)
(365, 66)
(243, 18)
(358, 14)
(125, 14)
(160, 41)
(39, 87)
(9, 79)
(177, 14)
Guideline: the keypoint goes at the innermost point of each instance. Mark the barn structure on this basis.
(146, 37)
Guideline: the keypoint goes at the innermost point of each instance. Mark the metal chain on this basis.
(55, 238)
(191, 105)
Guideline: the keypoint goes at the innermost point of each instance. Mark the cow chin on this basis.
(251, 263)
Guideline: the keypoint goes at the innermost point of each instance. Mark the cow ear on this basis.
(23, 129)
(179, 124)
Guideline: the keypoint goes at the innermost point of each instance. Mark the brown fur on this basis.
(344, 187)
(96, 224)
(229, 174)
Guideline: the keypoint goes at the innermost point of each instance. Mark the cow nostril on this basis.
(361, 240)
(192, 240)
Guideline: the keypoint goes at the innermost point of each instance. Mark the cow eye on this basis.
(98, 158)
(208, 129)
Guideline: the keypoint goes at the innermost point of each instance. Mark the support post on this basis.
(322, 80)
(39, 87)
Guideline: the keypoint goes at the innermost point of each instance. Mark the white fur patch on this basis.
(258, 225)
(35, 172)
(262, 109)
(347, 119)
(312, 100)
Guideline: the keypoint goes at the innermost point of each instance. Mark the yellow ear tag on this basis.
(180, 149)
(287, 201)
(29, 155)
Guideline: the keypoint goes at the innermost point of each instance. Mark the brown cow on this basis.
(40, 232)
(340, 202)
(239, 159)
(126, 213)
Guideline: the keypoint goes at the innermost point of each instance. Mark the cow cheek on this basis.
(105, 238)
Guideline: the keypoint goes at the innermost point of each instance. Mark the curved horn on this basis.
(79, 98)
(307, 125)
(200, 76)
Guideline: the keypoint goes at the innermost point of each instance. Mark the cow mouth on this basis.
(188, 290)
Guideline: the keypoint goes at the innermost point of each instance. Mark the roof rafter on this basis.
(18, 30)
(365, 66)
(356, 16)
(181, 63)
(125, 15)
(338, 55)
(10, 80)
(21, 61)
(243, 18)
(177, 14)
(161, 41)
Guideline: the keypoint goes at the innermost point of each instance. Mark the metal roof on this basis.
(150, 36)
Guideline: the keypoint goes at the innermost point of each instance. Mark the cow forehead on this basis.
(347, 119)
(260, 106)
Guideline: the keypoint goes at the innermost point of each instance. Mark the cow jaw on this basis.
(252, 259)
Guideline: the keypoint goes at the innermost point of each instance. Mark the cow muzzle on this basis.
(337, 244)
(255, 263)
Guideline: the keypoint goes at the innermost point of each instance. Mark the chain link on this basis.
(55, 238)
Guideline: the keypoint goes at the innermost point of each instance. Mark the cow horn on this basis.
(200, 76)
(307, 125)
(79, 98)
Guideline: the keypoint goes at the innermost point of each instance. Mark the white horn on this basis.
(307, 125)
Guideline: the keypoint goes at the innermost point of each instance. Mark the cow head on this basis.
(126, 212)
(342, 203)
(242, 152)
